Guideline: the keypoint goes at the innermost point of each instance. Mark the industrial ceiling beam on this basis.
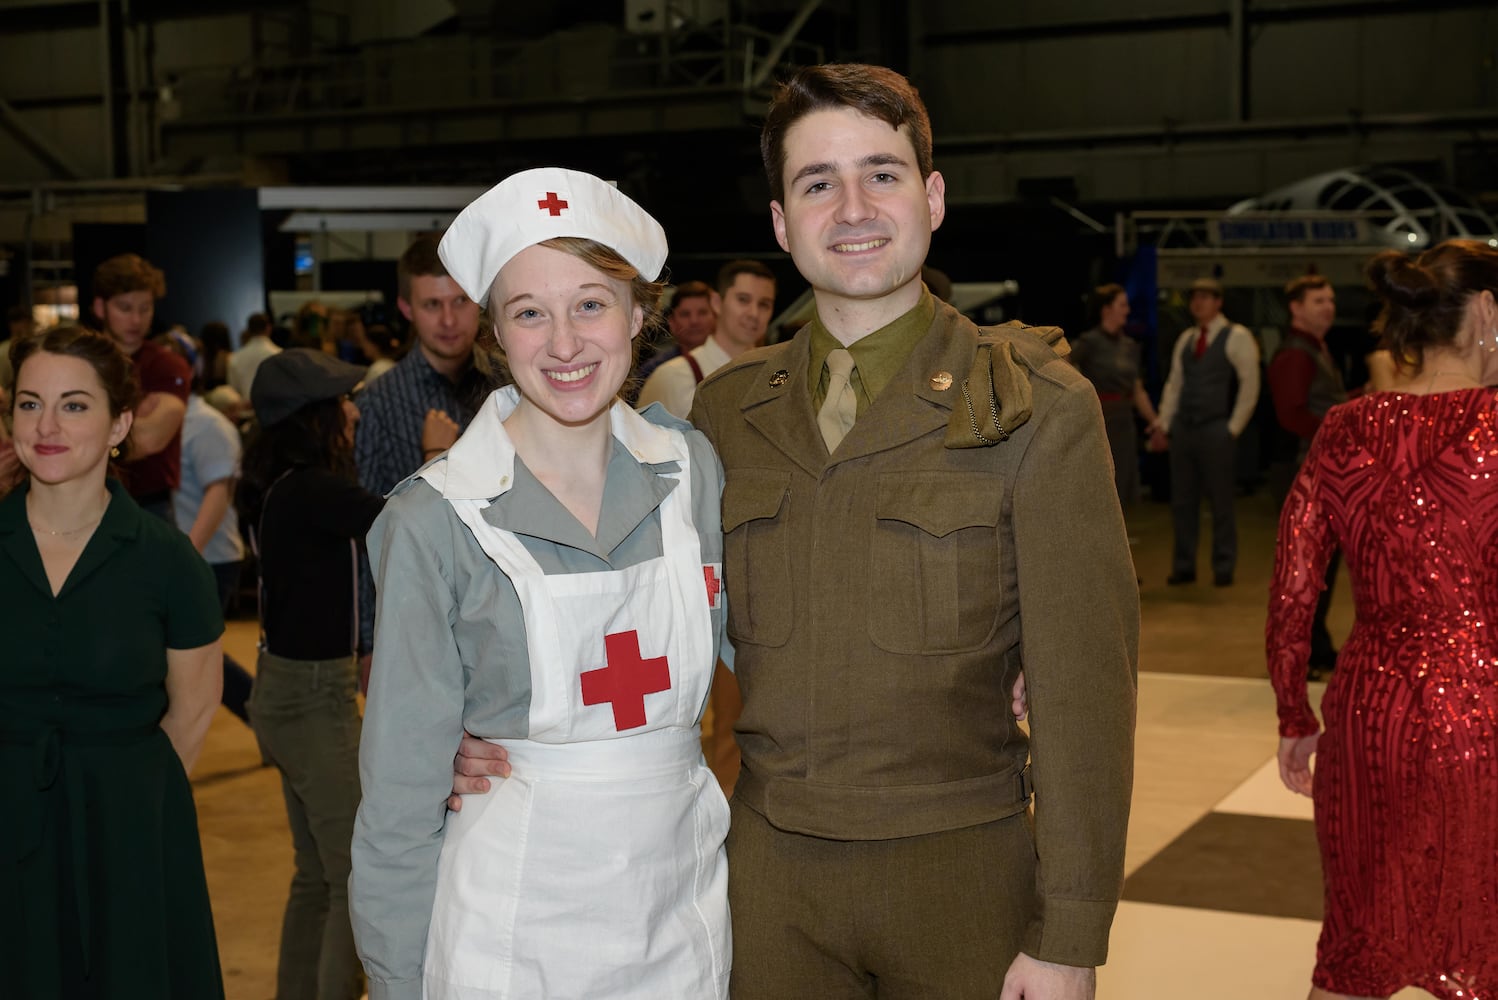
(37, 144)
(1253, 15)
(767, 66)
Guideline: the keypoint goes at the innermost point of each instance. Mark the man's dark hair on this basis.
(1296, 290)
(734, 268)
(870, 90)
(258, 325)
(420, 258)
(691, 290)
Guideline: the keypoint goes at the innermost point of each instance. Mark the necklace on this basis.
(69, 531)
(1461, 375)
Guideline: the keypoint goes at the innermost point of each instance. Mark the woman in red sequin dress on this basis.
(1406, 778)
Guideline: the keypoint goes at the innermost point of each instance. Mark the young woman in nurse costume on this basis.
(550, 584)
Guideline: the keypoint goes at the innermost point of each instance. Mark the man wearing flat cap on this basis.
(1209, 399)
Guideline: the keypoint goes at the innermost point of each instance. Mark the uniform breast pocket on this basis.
(756, 556)
(934, 564)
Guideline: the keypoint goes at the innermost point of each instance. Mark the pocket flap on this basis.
(940, 503)
(753, 495)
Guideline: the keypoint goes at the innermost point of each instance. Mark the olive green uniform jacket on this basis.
(883, 599)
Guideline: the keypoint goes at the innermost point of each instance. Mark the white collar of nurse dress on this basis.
(481, 466)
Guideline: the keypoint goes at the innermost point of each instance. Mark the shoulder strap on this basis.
(696, 368)
(1035, 344)
(996, 394)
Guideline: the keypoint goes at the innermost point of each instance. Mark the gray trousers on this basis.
(307, 722)
(1202, 464)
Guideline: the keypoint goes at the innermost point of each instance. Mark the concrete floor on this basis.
(1206, 728)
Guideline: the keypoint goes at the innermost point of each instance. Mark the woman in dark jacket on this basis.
(308, 516)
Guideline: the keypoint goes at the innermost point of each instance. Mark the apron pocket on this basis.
(471, 936)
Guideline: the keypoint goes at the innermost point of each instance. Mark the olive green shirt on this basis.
(877, 357)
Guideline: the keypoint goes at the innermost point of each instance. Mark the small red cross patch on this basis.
(552, 203)
(714, 585)
(627, 679)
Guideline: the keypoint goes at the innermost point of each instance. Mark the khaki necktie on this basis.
(840, 408)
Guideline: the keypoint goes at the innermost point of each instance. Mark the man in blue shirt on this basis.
(203, 507)
(436, 374)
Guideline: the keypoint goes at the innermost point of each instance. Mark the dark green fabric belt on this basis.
(50, 743)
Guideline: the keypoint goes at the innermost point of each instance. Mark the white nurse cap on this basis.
(535, 205)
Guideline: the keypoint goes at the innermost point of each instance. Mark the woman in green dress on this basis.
(109, 680)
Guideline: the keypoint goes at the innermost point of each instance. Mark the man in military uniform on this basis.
(905, 496)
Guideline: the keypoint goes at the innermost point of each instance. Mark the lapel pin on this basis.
(780, 377)
(941, 381)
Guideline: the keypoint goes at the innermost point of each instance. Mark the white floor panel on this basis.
(1174, 953)
(1263, 794)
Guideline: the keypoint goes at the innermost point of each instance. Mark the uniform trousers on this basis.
(1202, 464)
(936, 915)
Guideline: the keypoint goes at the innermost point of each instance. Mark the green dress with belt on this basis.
(102, 892)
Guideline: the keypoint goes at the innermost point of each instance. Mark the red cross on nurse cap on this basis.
(536, 205)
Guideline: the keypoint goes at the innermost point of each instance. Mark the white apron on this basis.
(597, 870)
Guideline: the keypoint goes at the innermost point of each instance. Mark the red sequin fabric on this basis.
(1406, 771)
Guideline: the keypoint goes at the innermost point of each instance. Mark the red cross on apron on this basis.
(626, 680)
(713, 585)
(552, 203)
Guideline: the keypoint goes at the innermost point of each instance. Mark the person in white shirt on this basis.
(254, 347)
(1209, 399)
(743, 303)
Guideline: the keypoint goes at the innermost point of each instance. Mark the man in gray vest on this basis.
(1305, 383)
(1209, 399)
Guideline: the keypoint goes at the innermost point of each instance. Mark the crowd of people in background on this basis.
(165, 476)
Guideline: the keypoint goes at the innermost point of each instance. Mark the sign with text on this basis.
(1287, 231)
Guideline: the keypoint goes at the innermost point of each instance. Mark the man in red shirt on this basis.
(125, 290)
(1305, 382)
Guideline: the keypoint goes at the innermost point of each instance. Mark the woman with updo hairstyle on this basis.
(550, 585)
(1110, 360)
(108, 683)
(1405, 785)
